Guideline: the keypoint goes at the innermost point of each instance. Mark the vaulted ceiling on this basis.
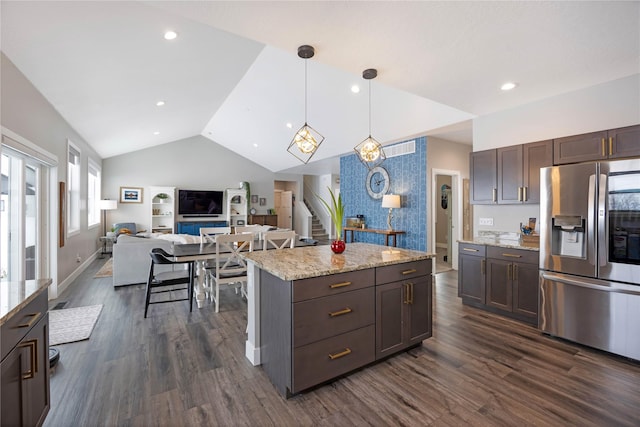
(233, 74)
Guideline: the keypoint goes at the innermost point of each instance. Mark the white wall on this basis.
(193, 163)
(444, 155)
(606, 106)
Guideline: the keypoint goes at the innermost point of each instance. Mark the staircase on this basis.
(317, 230)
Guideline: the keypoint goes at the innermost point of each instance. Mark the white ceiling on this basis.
(233, 74)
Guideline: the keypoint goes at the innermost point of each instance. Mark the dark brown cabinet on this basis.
(316, 329)
(271, 220)
(471, 272)
(594, 146)
(509, 175)
(484, 184)
(505, 281)
(403, 315)
(25, 366)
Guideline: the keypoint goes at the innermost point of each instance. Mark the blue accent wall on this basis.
(408, 174)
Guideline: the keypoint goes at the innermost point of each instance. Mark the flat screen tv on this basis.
(200, 202)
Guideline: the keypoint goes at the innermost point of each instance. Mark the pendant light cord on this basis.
(305, 91)
(369, 107)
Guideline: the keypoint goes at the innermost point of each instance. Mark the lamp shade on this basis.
(108, 205)
(391, 201)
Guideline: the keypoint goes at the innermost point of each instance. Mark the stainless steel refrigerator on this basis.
(590, 254)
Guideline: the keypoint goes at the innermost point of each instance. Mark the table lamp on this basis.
(390, 201)
(106, 205)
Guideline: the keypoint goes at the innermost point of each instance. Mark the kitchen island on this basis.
(314, 315)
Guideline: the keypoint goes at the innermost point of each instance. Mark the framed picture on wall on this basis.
(254, 198)
(263, 201)
(130, 195)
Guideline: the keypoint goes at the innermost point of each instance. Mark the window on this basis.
(93, 194)
(73, 189)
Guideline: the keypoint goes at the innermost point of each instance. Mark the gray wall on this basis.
(194, 163)
(26, 112)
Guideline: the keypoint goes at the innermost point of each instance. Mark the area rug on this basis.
(106, 270)
(72, 324)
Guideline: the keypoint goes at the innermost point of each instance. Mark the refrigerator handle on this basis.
(602, 223)
(591, 221)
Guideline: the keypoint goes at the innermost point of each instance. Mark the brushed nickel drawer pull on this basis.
(512, 255)
(524, 194)
(346, 310)
(519, 194)
(494, 196)
(34, 317)
(339, 285)
(413, 270)
(604, 152)
(509, 272)
(33, 364)
(483, 267)
(410, 288)
(343, 353)
(470, 249)
(406, 293)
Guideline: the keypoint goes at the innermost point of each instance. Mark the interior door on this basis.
(284, 209)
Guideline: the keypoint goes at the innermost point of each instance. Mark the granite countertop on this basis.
(16, 295)
(502, 243)
(314, 261)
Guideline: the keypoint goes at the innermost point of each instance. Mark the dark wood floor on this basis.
(176, 368)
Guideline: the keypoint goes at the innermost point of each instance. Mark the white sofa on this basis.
(131, 260)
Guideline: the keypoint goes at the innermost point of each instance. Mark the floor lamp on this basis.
(106, 205)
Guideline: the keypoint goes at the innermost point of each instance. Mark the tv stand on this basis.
(193, 227)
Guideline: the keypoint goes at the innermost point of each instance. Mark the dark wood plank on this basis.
(187, 369)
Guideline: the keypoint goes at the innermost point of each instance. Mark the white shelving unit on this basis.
(236, 207)
(162, 209)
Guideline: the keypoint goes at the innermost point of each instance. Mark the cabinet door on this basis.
(389, 318)
(625, 142)
(471, 278)
(419, 311)
(525, 289)
(499, 287)
(483, 167)
(510, 174)
(536, 155)
(580, 148)
(28, 398)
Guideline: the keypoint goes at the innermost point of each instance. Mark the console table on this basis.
(387, 233)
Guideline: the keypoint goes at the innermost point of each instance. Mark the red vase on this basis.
(338, 246)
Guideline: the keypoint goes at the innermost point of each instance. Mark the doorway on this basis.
(446, 221)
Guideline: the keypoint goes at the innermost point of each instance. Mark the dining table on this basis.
(199, 253)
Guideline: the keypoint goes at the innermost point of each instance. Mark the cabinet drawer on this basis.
(514, 255)
(322, 286)
(322, 318)
(17, 327)
(408, 270)
(472, 249)
(327, 359)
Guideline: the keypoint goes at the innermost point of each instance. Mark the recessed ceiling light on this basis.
(508, 86)
(255, 145)
(156, 133)
(355, 89)
(170, 35)
(289, 125)
(160, 103)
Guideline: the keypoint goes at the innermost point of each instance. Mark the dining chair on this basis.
(230, 268)
(278, 239)
(167, 281)
(208, 234)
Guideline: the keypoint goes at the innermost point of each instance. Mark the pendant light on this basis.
(307, 140)
(370, 151)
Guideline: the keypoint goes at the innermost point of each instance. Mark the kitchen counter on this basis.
(314, 261)
(308, 262)
(16, 295)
